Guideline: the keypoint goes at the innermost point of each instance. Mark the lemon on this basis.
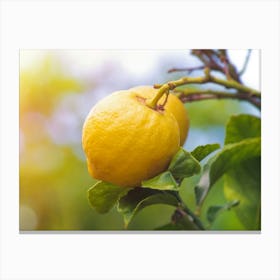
(126, 142)
(174, 105)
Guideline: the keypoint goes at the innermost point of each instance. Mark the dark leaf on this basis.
(163, 181)
(184, 223)
(201, 152)
(213, 211)
(203, 186)
(139, 198)
(183, 165)
(103, 196)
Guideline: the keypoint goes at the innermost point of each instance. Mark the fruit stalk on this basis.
(152, 103)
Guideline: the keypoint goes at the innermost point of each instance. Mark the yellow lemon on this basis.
(126, 142)
(174, 105)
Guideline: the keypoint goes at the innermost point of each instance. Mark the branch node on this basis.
(207, 72)
(171, 85)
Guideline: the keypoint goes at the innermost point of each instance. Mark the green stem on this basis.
(235, 85)
(196, 220)
(243, 92)
(183, 208)
(153, 102)
(208, 78)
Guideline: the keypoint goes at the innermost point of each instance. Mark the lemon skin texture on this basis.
(126, 142)
(174, 105)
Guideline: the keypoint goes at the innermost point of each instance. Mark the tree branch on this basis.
(243, 92)
(194, 218)
(225, 60)
(189, 70)
(209, 94)
(208, 78)
(245, 63)
(182, 210)
(214, 59)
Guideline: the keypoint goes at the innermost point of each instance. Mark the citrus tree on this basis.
(133, 143)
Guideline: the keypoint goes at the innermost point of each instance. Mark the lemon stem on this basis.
(153, 102)
(165, 100)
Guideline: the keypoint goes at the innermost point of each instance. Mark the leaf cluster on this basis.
(238, 162)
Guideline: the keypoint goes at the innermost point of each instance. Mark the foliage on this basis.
(238, 161)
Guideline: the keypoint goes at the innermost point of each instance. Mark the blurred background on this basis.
(57, 90)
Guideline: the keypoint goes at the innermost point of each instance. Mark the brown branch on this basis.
(225, 61)
(208, 94)
(206, 57)
(245, 63)
(189, 70)
(213, 59)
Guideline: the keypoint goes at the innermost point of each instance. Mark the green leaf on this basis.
(202, 187)
(163, 181)
(103, 196)
(243, 183)
(232, 155)
(183, 165)
(229, 157)
(201, 152)
(139, 198)
(242, 127)
(213, 211)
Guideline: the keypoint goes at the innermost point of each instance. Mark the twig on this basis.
(189, 70)
(195, 219)
(245, 93)
(184, 210)
(199, 95)
(241, 72)
(225, 61)
(208, 78)
(213, 60)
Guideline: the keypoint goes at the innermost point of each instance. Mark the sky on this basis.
(140, 62)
